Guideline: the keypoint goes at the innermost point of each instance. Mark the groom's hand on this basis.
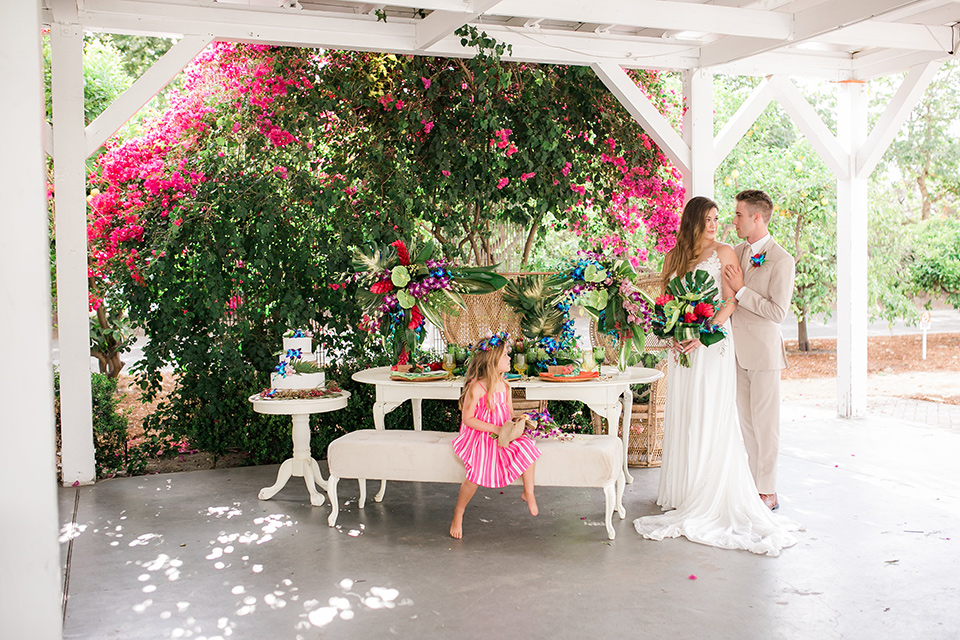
(733, 275)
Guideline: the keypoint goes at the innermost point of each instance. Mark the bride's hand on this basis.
(687, 346)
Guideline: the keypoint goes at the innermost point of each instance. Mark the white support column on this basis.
(852, 257)
(76, 422)
(698, 134)
(29, 551)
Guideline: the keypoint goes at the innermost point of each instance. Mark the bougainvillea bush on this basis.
(229, 219)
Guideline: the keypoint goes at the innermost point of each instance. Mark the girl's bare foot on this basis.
(531, 502)
(456, 526)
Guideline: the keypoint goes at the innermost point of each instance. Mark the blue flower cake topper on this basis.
(492, 340)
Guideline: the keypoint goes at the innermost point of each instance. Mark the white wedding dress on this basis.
(704, 476)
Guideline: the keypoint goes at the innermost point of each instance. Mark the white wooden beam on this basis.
(655, 14)
(698, 133)
(808, 121)
(897, 35)
(643, 111)
(896, 113)
(741, 121)
(440, 24)
(29, 552)
(153, 80)
(888, 62)
(852, 258)
(47, 138)
(76, 423)
(809, 23)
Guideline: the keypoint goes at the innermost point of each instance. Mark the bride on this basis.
(706, 487)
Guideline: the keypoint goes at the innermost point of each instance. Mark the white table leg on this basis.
(614, 412)
(300, 465)
(416, 403)
(378, 413)
(286, 470)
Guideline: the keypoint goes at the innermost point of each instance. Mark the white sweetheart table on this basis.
(609, 395)
(301, 465)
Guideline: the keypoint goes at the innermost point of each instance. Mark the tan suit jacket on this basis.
(761, 355)
(762, 307)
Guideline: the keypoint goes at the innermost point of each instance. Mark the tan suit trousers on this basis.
(758, 403)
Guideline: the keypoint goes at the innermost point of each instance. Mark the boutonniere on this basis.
(758, 259)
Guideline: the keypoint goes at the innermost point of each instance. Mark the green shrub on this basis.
(112, 454)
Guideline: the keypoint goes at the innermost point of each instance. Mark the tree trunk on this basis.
(528, 245)
(924, 194)
(803, 341)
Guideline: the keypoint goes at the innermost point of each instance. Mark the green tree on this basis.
(775, 157)
(925, 155)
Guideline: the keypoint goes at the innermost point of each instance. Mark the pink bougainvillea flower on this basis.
(527, 176)
(503, 182)
(445, 172)
(691, 577)
(426, 83)
(427, 126)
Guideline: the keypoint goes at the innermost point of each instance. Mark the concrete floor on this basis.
(197, 555)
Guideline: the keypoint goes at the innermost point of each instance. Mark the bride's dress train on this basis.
(704, 475)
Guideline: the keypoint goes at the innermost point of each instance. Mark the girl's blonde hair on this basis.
(686, 253)
(483, 369)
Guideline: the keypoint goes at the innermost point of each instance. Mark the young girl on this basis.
(486, 404)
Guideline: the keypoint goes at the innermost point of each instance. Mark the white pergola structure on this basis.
(842, 41)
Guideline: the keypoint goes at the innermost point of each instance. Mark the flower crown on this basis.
(492, 340)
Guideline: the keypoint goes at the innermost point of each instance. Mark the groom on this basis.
(763, 282)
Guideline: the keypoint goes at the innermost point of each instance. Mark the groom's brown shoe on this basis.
(770, 499)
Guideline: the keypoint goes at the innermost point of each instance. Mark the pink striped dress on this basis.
(488, 464)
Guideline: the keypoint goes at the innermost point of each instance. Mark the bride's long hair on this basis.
(686, 253)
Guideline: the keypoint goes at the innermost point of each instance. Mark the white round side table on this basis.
(301, 464)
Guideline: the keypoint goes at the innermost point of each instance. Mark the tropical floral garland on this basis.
(605, 287)
(329, 391)
(399, 293)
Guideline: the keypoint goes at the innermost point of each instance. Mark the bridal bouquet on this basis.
(685, 311)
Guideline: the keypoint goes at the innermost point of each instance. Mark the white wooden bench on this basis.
(428, 456)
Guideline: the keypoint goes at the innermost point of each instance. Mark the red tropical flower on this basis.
(689, 317)
(704, 310)
(416, 318)
(384, 286)
(664, 299)
(402, 253)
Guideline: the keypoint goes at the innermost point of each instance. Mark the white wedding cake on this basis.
(299, 366)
